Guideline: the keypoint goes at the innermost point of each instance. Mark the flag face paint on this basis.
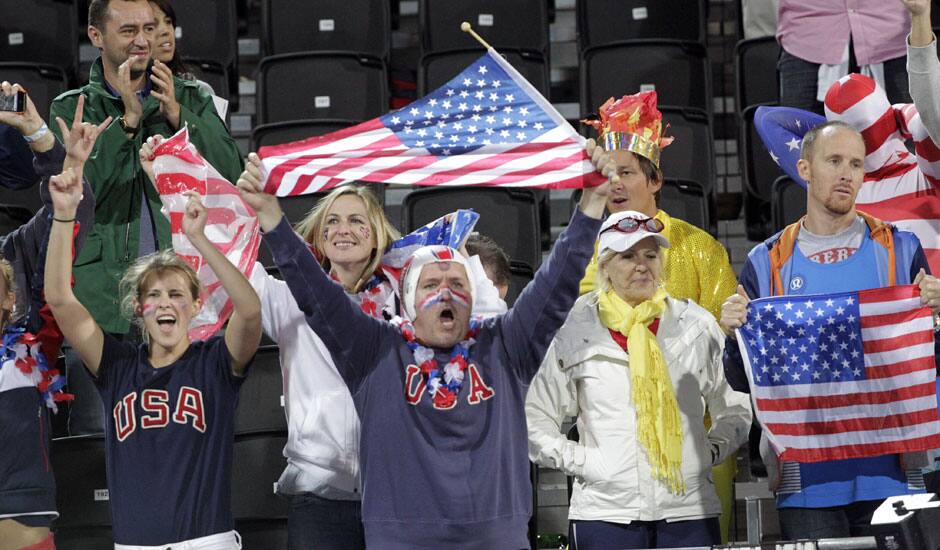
(443, 293)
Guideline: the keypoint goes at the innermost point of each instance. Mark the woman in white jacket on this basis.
(638, 369)
(348, 231)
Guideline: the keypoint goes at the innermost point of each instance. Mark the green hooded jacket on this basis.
(115, 175)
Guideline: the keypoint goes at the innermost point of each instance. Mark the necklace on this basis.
(443, 384)
(21, 349)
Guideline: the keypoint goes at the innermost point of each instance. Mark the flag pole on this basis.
(465, 27)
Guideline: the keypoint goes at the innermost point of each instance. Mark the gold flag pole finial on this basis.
(465, 27)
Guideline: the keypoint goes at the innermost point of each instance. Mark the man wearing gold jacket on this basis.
(696, 265)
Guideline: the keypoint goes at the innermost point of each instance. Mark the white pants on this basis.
(230, 540)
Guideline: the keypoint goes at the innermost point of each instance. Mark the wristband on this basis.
(55, 219)
(38, 134)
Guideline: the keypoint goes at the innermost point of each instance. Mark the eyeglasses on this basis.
(630, 225)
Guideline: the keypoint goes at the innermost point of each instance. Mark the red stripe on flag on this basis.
(862, 449)
(873, 321)
(845, 425)
(836, 401)
(887, 294)
(901, 367)
(898, 342)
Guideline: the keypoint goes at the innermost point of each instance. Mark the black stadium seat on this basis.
(686, 199)
(260, 399)
(509, 216)
(678, 72)
(521, 24)
(82, 496)
(437, 68)
(362, 26)
(603, 21)
(276, 133)
(83, 538)
(691, 156)
(321, 85)
(44, 31)
(257, 463)
(755, 71)
(208, 32)
(789, 202)
(760, 170)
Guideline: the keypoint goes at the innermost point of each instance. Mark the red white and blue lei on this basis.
(21, 350)
(443, 384)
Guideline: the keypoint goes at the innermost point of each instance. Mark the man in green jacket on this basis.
(144, 99)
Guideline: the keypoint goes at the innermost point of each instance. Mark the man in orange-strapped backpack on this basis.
(834, 248)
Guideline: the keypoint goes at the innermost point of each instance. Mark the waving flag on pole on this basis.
(231, 226)
(487, 126)
(844, 375)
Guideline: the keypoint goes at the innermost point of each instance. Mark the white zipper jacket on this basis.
(322, 448)
(585, 374)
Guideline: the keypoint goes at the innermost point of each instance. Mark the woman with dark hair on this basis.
(164, 44)
(165, 51)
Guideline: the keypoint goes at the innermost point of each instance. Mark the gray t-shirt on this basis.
(829, 249)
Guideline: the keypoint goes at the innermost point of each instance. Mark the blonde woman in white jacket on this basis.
(638, 369)
(348, 231)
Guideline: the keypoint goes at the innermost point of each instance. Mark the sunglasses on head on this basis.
(629, 225)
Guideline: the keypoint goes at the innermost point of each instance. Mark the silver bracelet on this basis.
(38, 135)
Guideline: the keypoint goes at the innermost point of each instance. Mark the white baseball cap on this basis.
(622, 230)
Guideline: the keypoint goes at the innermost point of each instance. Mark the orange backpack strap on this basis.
(782, 250)
(780, 253)
(882, 234)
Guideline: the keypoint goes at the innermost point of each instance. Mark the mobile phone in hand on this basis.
(15, 103)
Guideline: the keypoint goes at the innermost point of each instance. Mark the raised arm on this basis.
(244, 326)
(353, 338)
(923, 70)
(544, 304)
(77, 325)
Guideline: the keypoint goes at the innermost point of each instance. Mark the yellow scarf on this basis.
(659, 428)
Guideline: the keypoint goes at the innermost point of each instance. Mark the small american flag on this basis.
(231, 226)
(846, 375)
(487, 126)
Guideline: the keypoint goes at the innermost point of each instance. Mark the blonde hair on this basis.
(312, 226)
(139, 276)
(6, 274)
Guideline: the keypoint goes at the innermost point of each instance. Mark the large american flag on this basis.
(845, 375)
(232, 225)
(487, 126)
(899, 187)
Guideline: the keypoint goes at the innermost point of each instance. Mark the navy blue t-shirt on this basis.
(169, 434)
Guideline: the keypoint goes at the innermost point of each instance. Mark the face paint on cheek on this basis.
(148, 310)
(365, 232)
(457, 298)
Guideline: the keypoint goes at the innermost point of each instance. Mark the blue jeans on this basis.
(604, 535)
(315, 522)
(850, 520)
(799, 80)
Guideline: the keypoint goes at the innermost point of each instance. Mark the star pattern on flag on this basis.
(828, 349)
(470, 112)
